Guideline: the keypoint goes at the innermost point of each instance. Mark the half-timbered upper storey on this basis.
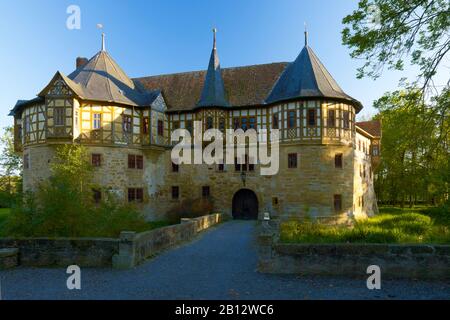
(99, 104)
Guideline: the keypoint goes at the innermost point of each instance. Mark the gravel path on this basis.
(220, 264)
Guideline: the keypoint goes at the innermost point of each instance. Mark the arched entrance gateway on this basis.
(245, 205)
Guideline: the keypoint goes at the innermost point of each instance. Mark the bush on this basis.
(63, 206)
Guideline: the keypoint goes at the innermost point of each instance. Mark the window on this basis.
(237, 166)
(175, 125)
(246, 166)
(311, 117)
(220, 167)
(76, 119)
(360, 171)
(96, 160)
(346, 116)
(375, 151)
(97, 119)
(252, 123)
(189, 126)
(337, 202)
(135, 195)
(205, 191)
(160, 128)
(362, 202)
(27, 124)
(175, 192)
(222, 124)
(59, 116)
(175, 167)
(331, 119)
(292, 160)
(244, 123)
(209, 123)
(275, 121)
(364, 171)
(291, 119)
(274, 201)
(146, 125)
(338, 160)
(131, 194)
(26, 161)
(19, 132)
(236, 123)
(131, 161)
(126, 123)
(139, 162)
(97, 195)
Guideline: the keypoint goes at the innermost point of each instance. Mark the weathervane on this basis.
(306, 35)
(214, 31)
(100, 26)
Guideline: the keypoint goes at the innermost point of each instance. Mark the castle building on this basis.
(326, 158)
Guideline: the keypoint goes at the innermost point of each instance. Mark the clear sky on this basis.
(167, 36)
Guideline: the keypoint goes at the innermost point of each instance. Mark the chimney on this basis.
(81, 61)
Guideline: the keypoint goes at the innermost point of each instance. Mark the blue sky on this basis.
(156, 37)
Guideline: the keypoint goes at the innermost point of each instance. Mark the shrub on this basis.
(63, 205)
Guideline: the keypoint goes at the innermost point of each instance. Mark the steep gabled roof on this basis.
(213, 93)
(307, 77)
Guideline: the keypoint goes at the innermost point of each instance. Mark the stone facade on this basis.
(332, 176)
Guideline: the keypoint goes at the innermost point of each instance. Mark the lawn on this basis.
(391, 225)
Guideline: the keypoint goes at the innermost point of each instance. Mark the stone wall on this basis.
(135, 248)
(44, 252)
(351, 260)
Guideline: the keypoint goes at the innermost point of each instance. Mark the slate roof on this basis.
(307, 77)
(373, 127)
(102, 79)
(213, 92)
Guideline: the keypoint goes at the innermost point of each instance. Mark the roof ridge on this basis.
(107, 80)
(205, 70)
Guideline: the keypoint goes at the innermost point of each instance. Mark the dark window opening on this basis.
(311, 117)
(175, 192)
(160, 128)
(146, 125)
(292, 118)
(175, 167)
(338, 160)
(131, 161)
(337, 202)
(346, 116)
(275, 121)
(206, 191)
(139, 162)
(331, 119)
(292, 160)
(96, 160)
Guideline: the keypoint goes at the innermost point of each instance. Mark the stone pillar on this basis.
(266, 239)
(126, 259)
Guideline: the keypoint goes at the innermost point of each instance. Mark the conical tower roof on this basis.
(213, 92)
(307, 77)
(102, 79)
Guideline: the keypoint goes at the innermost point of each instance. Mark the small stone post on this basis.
(127, 255)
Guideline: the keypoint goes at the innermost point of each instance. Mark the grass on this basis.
(391, 225)
(150, 225)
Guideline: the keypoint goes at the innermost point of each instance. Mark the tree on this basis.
(386, 32)
(415, 162)
(11, 167)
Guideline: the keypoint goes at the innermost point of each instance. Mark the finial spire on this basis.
(306, 35)
(103, 41)
(214, 43)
